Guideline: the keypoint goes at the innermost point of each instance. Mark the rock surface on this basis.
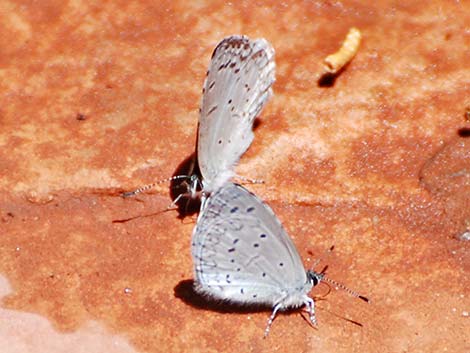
(97, 99)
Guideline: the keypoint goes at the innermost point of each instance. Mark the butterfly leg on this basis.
(193, 193)
(310, 303)
(204, 197)
(174, 204)
(271, 319)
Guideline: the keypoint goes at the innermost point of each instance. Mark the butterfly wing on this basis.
(241, 252)
(237, 86)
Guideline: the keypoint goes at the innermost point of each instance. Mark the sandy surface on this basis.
(96, 99)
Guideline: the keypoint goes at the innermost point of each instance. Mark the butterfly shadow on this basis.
(185, 291)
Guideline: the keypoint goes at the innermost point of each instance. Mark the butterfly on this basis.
(242, 254)
(237, 87)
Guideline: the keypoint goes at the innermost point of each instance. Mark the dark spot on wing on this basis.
(231, 250)
(213, 109)
(233, 210)
(250, 209)
(262, 235)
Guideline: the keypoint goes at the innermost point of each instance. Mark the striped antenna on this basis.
(346, 289)
(150, 186)
(334, 283)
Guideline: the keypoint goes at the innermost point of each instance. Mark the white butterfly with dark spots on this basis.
(237, 87)
(242, 254)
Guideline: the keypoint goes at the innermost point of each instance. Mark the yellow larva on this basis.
(336, 61)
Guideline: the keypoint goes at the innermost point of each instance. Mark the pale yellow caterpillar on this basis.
(335, 62)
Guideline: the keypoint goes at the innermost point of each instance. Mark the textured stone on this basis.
(100, 98)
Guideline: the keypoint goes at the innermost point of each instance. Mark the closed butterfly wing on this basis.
(242, 253)
(237, 86)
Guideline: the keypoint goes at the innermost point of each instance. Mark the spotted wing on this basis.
(237, 86)
(241, 252)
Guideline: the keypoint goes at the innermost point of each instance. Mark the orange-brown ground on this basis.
(95, 99)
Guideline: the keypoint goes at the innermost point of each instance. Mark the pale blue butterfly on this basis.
(242, 254)
(237, 87)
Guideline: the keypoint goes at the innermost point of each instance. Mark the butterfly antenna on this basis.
(150, 186)
(346, 289)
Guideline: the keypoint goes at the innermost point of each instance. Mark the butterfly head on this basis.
(315, 278)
